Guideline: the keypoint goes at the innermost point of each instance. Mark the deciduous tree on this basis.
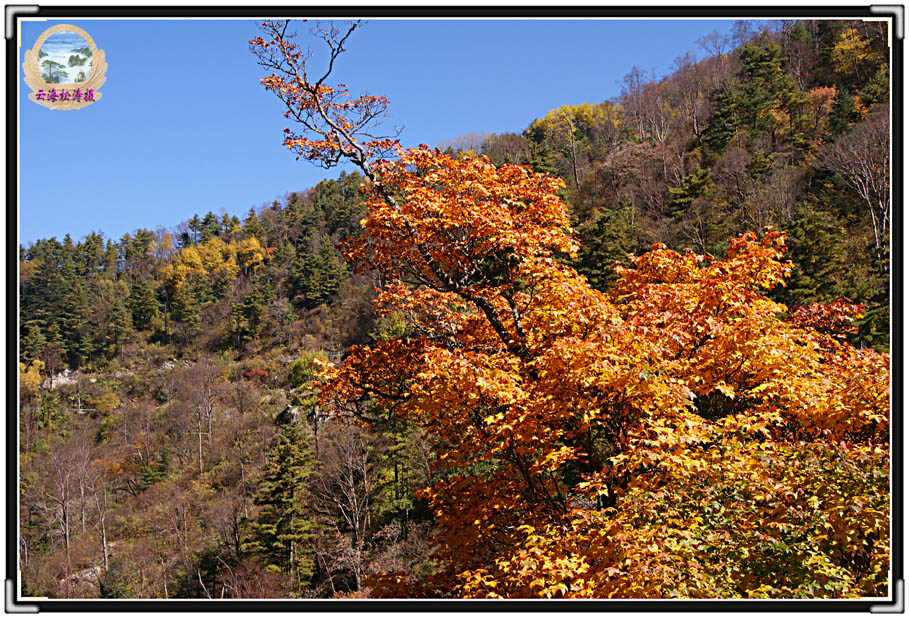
(566, 420)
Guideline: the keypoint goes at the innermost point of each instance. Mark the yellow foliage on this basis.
(191, 260)
(250, 253)
(30, 377)
(852, 53)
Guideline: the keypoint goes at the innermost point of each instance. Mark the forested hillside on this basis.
(307, 402)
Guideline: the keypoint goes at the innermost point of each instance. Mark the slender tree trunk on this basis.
(69, 568)
(574, 156)
(104, 543)
(82, 504)
(199, 432)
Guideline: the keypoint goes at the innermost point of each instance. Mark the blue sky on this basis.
(184, 126)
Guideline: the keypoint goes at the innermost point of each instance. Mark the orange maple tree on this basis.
(677, 436)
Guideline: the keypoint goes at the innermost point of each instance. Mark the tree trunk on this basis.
(574, 156)
(104, 542)
(199, 427)
(82, 504)
(66, 545)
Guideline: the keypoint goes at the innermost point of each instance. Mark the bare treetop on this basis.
(337, 127)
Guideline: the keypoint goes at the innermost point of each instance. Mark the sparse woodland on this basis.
(639, 350)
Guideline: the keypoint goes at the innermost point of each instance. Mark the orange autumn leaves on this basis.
(568, 422)
(472, 218)
(678, 436)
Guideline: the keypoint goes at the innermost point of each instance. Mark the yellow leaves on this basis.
(30, 377)
(191, 261)
(494, 418)
(555, 459)
(596, 487)
(250, 253)
(726, 389)
(216, 255)
(851, 52)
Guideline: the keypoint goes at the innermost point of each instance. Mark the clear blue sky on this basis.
(184, 126)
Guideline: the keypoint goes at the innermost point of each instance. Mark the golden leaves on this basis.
(689, 384)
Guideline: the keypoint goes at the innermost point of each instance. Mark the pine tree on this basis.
(186, 314)
(110, 259)
(210, 227)
(541, 158)
(843, 113)
(251, 225)
(724, 123)
(195, 229)
(55, 351)
(605, 243)
(33, 343)
(143, 304)
(112, 329)
(694, 185)
(817, 248)
(316, 275)
(877, 89)
(246, 316)
(282, 533)
(77, 327)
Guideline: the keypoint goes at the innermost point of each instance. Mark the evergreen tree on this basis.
(315, 276)
(606, 242)
(282, 533)
(112, 328)
(43, 294)
(843, 113)
(344, 211)
(210, 227)
(143, 304)
(195, 229)
(817, 246)
(33, 343)
(90, 255)
(246, 316)
(55, 351)
(186, 314)
(694, 185)
(116, 582)
(724, 123)
(110, 259)
(77, 327)
(251, 224)
(877, 89)
(540, 157)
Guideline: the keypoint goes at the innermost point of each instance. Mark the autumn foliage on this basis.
(681, 435)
